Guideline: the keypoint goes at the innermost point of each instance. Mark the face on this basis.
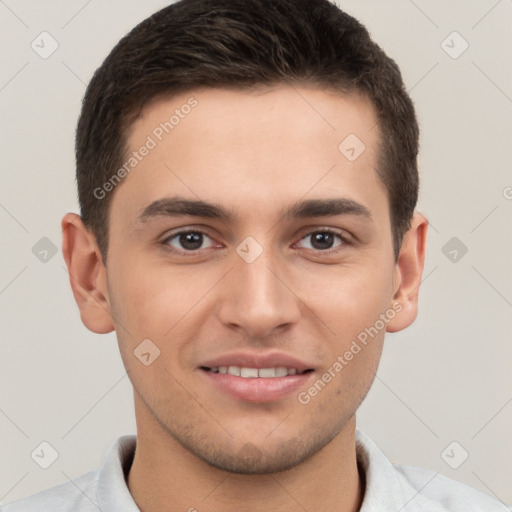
(287, 262)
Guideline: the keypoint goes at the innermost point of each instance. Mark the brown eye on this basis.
(188, 241)
(322, 240)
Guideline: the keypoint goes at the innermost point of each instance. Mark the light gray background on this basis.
(446, 378)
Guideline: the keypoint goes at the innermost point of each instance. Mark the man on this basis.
(247, 181)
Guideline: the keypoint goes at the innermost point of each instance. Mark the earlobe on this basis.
(87, 274)
(408, 273)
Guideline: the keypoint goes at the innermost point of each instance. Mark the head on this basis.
(265, 122)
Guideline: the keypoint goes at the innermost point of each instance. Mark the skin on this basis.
(254, 152)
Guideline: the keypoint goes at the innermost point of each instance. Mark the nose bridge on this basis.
(258, 299)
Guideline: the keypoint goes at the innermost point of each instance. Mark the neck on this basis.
(165, 476)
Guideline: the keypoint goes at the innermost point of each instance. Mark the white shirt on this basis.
(389, 487)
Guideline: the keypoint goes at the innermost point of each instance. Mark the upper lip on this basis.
(253, 360)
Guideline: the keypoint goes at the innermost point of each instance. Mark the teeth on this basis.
(281, 372)
(252, 373)
(249, 372)
(234, 370)
(267, 372)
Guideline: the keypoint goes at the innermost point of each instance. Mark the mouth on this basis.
(256, 385)
(255, 373)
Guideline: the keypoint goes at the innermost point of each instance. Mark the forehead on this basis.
(255, 148)
(279, 113)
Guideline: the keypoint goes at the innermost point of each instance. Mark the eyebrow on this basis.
(177, 206)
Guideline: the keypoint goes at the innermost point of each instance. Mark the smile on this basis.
(257, 385)
(254, 373)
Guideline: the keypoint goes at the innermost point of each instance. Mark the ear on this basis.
(87, 274)
(408, 272)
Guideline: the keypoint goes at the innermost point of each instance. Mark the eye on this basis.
(323, 240)
(188, 241)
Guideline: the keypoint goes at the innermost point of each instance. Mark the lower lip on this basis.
(258, 389)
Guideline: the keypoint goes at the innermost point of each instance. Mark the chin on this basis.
(256, 459)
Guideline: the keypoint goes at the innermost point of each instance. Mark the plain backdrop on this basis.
(446, 379)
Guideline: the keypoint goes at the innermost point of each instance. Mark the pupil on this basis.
(322, 240)
(191, 240)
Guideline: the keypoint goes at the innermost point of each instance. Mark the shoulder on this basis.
(76, 496)
(104, 488)
(392, 487)
(448, 495)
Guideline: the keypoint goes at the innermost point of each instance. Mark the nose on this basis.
(258, 297)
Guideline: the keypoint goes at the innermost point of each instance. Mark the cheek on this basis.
(348, 299)
(165, 305)
(154, 298)
(153, 310)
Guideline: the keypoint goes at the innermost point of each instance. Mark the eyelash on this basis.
(165, 242)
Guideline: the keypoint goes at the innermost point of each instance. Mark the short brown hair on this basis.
(238, 43)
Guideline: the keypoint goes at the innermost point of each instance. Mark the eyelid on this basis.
(345, 235)
(187, 229)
